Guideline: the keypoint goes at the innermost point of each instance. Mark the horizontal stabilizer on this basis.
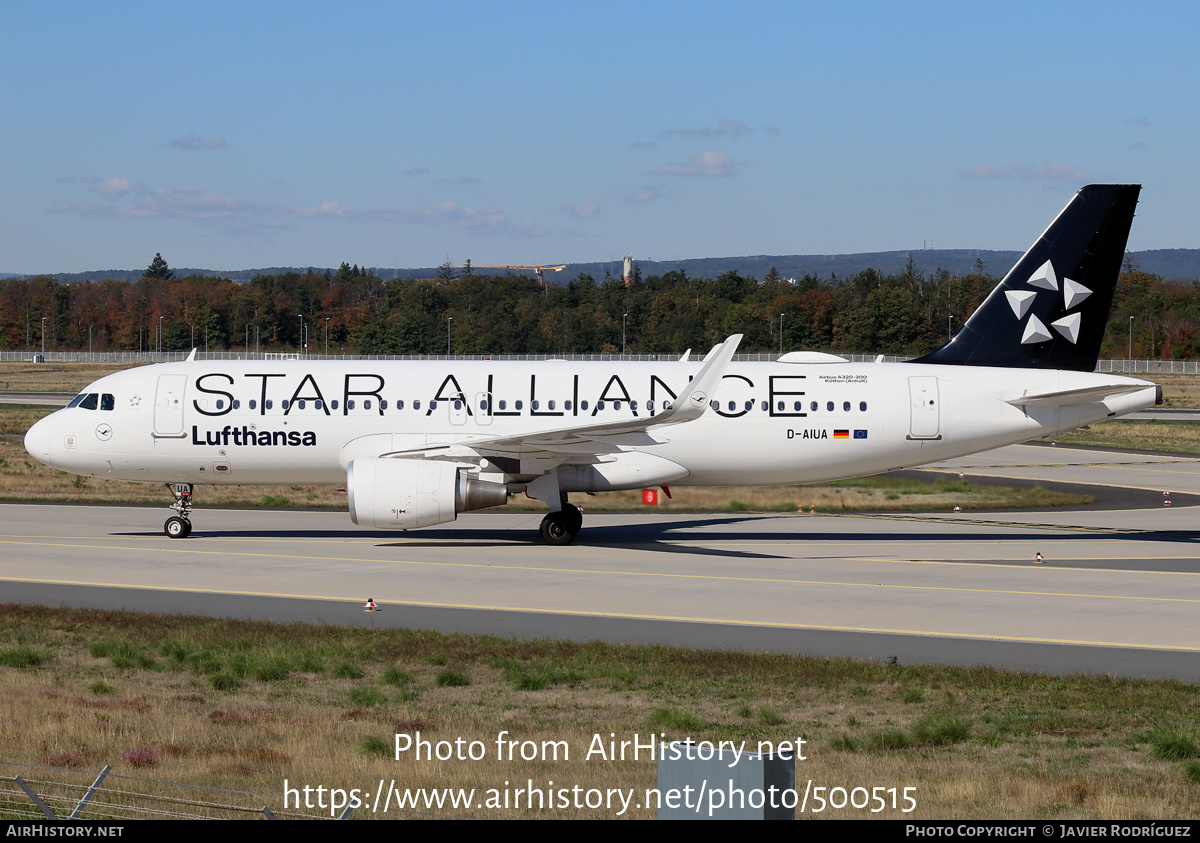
(1068, 397)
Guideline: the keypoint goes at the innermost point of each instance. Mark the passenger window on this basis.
(764, 406)
(600, 405)
(798, 406)
(89, 401)
(107, 402)
(616, 405)
(813, 406)
(316, 404)
(551, 405)
(732, 406)
(519, 405)
(829, 406)
(253, 404)
(650, 406)
(333, 404)
(457, 404)
(749, 406)
(535, 404)
(221, 404)
(862, 406)
(284, 404)
(503, 404)
(846, 406)
(383, 403)
(633, 406)
(583, 405)
(483, 405)
(350, 404)
(417, 404)
(432, 405)
(237, 405)
(399, 403)
(367, 404)
(779, 406)
(300, 403)
(269, 403)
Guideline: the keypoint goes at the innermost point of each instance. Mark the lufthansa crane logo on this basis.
(104, 433)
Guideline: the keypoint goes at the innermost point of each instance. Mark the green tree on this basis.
(158, 269)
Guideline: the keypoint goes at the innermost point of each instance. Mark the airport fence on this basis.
(1116, 366)
(55, 793)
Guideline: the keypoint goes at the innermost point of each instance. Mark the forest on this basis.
(352, 311)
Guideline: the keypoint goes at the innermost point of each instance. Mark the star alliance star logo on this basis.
(135, 400)
(1045, 279)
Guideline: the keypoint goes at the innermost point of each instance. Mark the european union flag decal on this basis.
(860, 434)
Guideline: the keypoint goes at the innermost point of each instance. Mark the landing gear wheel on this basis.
(177, 528)
(560, 528)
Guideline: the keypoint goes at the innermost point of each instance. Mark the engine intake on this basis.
(400, 494)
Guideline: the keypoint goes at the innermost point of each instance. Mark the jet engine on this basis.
(402, 494)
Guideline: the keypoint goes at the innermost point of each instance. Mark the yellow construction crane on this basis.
(539, 268)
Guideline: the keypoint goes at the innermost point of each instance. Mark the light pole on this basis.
(193, 342)
(43, 339)
(624, 317)
(160, 335)
(449, 321)
(326, 336)
(949, 330)
(1131, 340)
(781, 333)
(301, 349)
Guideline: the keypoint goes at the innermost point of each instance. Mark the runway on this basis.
(1118, 593)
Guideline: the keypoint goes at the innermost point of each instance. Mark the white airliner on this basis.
(416, 443)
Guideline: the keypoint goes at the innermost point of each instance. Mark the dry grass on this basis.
(1179, 391)
(1022, 746)
(1172, 437)
(54, 377)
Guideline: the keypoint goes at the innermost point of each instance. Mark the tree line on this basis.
(353, 310)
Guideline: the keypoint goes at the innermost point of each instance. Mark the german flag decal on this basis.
(841, 434)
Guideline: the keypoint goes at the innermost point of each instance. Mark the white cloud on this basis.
(111, 187)
(640, 197)
(724, 127)
(187, 203)
(584, 211)
(710, 164)
(1055, 174)
(197, 142)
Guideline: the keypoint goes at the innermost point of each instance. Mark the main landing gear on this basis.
(180, 526)
(560, 528)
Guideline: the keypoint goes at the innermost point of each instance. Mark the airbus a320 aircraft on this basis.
(416, 443)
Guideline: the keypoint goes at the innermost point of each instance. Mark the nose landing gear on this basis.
(180, 526)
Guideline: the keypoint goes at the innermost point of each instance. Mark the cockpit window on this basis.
(89, 401)
(77, 400)
(107, 402)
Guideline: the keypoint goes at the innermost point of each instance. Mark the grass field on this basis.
(244, 705)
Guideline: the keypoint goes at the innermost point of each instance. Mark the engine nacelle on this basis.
(401, 494)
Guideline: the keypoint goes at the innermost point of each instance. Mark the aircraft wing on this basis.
(603, 436)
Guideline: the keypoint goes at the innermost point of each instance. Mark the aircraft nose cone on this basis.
(37, 441)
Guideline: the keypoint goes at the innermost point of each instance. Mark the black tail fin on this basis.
(1051, 309)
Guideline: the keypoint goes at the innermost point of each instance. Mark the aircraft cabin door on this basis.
(168, 406)
(924, 408)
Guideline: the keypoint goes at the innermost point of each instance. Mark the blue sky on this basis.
(242, 135)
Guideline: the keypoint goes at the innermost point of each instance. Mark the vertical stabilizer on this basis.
(1051, 309)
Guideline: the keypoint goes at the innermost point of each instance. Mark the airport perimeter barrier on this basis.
(56, 793)
(1114, 366)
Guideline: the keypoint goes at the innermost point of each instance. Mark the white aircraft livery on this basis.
(417, 442)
